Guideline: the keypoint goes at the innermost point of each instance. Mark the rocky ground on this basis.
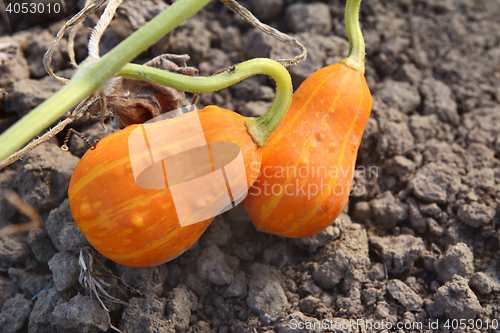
(418, 242)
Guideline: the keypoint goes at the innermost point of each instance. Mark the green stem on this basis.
(356, 57)
(259, 128)
(93, 74)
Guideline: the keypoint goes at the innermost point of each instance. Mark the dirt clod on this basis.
(456, 300)
(14, 314)
(457, 260)
(487, 281)
(80, 314)
(398, 252)
(46, 301)
(266, 295)
(13, 66)
(12, 250)
(213, 267)
(404, 295)
(476, 214)
(65, 270)
(41, 245)
(435, 183)
(63, 230)
(345, 259)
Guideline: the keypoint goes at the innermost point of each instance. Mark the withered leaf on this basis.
(135, 102)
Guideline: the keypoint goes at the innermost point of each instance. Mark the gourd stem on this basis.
(356, 57)
(93, 74)
(259, 128)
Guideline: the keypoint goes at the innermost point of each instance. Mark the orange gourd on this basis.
(135, 226)
(308, 163)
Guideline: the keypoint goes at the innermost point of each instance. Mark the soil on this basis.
(417, 243)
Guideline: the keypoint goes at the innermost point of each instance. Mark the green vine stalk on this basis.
(259, 128)
(356, 57)
(93, 74)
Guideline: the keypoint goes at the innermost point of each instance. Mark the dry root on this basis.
(90, 280)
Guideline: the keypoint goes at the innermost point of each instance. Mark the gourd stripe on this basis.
(274, 201)
(95, 172)
(319, 201)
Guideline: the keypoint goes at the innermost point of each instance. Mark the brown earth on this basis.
(418, 242)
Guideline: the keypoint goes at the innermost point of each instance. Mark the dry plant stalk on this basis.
(102, 24)
(250, 18)
(24, 208)
(91, 6)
